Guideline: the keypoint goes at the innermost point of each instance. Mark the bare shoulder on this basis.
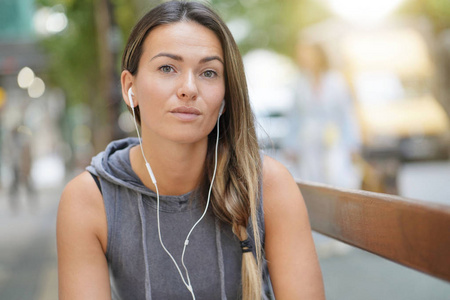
(274, 171)
(81, 204)
(81, 235)
(82, 184)
(289, 246)
(81, 193)
(278, 184)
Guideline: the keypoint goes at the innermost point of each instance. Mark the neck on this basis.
(178, 168)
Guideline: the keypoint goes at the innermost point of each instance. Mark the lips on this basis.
(186, 110)
(186, 113)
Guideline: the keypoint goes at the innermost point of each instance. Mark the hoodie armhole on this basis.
(97, 182)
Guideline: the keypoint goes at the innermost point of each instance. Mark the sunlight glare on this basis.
(364, 11)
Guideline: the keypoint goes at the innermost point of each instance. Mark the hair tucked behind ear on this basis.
(236, 189)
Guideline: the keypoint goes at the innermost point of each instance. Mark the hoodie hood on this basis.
(114, 165)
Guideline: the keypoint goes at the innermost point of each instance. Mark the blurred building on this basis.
(27, 106)
(18, 38)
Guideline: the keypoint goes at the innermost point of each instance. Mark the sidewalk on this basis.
(28, 260)
(360, 275)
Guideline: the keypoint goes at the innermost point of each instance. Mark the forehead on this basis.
(183, 38)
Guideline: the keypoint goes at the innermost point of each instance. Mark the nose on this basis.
(188, 87)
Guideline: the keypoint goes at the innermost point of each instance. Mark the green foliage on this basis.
(124, 16)
(80, 60)
(437, 11)
(72, 53)
(273, 24)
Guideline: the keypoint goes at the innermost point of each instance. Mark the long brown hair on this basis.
(236, 191)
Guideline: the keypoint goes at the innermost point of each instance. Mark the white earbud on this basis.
(222, 107)
(149, 169)
(130, 98)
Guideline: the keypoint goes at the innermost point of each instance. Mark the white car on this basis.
(270, 78)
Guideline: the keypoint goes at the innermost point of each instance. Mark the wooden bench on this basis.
(413, 233)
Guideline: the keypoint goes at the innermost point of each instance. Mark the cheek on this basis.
(153, 96)
(215, 91)
(154, 87)
(150, 107)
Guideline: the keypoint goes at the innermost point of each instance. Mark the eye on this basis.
(209, 74)
(166, 69)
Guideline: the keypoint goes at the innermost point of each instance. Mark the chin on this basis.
(189, 138)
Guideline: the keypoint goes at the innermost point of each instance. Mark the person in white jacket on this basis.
(324, 139)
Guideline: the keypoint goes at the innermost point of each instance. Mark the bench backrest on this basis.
(410, 232)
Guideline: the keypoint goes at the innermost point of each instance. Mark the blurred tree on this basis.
(437, 11)
(269, 23)
(85, 58)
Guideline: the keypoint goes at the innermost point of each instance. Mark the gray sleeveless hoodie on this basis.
(138, 266)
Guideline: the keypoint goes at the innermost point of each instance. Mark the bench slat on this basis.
(410, 232)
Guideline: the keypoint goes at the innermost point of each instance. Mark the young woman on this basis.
(194, 211)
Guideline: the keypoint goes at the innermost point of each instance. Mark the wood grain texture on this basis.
(410, 232)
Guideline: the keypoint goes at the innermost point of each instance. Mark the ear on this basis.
(127, 80)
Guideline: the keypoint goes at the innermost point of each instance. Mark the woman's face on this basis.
(180, 83)
(308, 58)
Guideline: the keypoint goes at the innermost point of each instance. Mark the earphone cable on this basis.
(186, 242)
(152, 177)
(188, 286)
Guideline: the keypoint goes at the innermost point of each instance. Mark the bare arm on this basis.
(81, 239)
(292, 260)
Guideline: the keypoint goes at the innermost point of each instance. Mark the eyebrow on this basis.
(172, 56)
(210, 58)
(179, 58)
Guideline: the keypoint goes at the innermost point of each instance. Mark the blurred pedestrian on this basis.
(324, 139)
(20, 159)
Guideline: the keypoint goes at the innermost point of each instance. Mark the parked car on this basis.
(270, 78)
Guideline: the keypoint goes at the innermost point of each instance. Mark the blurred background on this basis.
(353, 94)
